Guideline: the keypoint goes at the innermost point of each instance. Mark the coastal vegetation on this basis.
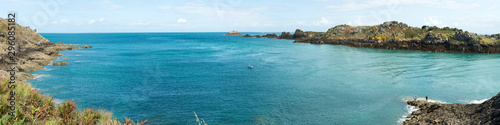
(398, 35)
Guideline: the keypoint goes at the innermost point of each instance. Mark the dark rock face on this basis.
(466, 37)
(299, 34)
(285, 35)
(270, 35)
(496, 36)
(338, 30)
(247, 35)
(487, 113)
(431, 37)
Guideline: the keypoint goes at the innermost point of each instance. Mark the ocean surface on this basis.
(165, 77)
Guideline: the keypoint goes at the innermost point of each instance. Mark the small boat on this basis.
(250, 67)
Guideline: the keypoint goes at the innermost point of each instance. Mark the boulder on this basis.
(247, 35)
(431, 37)
(270, 35)
(466, 37)
(64, 63)
(299, 34)
(338, 30)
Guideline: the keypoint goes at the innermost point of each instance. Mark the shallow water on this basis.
(164, 77)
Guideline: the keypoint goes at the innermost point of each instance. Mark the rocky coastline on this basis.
(34, 58)
(397, 35)
(32, 51)
(486, 113)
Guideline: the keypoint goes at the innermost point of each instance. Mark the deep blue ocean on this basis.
(165, 77)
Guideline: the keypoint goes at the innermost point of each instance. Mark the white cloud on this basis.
(91, 22)
(108, 4)
(356, 22)
(181, 20)
(101, 20)
(323, 22)
(390, 4)
(61, 21)
(432, 21)
(140, 22)
(217, 10)
(164, 7)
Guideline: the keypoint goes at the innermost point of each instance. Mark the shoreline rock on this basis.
(486, 113)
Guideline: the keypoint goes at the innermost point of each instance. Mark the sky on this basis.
(98, 16)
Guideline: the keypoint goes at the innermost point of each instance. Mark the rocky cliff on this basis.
(32, 51)
(487, 113)
(397, 35)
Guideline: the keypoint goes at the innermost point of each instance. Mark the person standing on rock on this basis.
(415, 98)
(426, 98)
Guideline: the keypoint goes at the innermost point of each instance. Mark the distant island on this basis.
(398, 35)
(234, 33)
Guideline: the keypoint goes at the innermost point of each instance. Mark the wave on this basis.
(57, 101)
(435, 101)
(409, 109)
(475, 101)
(40, 76)
(423, 99)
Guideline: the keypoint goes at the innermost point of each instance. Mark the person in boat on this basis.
(250, 67)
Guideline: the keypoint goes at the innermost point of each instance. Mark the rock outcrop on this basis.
(270, 36)
(299, 34)
(486, 113)
(62, 63)
(32, 51)
(397, 35)
(285, 35)
(466, 37)
(431, 37)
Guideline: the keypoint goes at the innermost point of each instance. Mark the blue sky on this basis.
(65, 16)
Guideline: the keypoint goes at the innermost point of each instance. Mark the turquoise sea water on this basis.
(165, 77)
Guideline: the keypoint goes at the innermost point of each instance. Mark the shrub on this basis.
(67, 111)
(90, 116)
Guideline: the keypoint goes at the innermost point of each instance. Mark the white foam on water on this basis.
(40, 76)
(432, 100)
(57, 101)
(475, 101)
(409, 109)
